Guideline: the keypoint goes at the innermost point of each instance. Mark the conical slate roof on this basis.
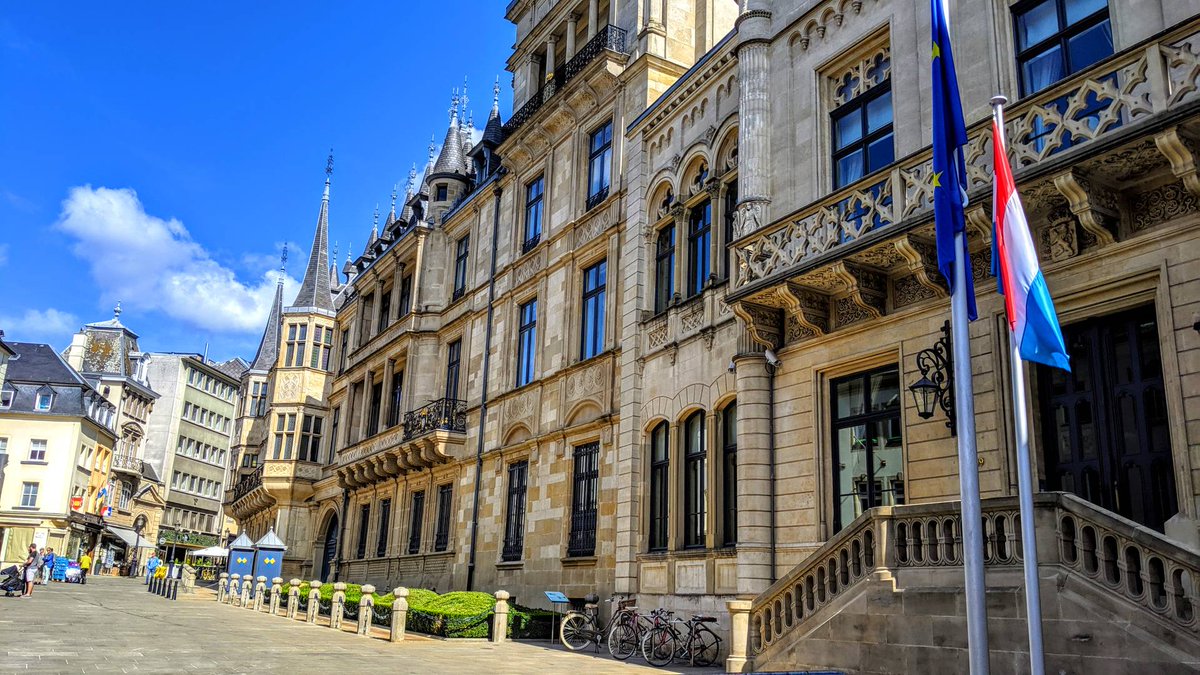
(314, 290)
(450, 159)
(268, 347)
(493, 131)
(270, 540)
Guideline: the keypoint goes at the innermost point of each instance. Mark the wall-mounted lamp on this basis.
(936, 386)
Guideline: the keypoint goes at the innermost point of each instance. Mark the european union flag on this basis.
(949, 167)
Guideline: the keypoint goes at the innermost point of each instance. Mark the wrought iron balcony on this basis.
(127, 463)
(248, 483)
(609, 39)
(447, 414)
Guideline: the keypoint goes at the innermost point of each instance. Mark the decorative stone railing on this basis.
(127, 463)
(448, 414)
(248, 483)
(1118, 555)
(1124, 91)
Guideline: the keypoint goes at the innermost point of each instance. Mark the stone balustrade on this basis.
(366, 607)
(338, 609)
(260, 590)
(276, 591)
(293, 605)
(314, 601)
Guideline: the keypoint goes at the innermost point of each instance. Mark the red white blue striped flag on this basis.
(1031, 316)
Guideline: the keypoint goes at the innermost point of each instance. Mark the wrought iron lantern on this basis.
(936, 386)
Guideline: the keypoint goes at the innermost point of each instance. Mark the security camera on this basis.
(772, 359)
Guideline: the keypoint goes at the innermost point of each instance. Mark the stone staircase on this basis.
(886, 595)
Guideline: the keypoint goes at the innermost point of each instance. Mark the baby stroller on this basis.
(11, 583)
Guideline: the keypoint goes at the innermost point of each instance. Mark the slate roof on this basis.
(314, 290)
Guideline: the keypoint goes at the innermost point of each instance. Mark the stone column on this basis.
(572, 26)
(399, 614)
(276, 592)
(385, 408)
(716, 233)
(377, 310)
(679, 215)
(339, 604)
(535, 84)
(754, 121)
(500, 617)
(234, 589)
(223, 587)
(260, 589)
(593, 17)
(246, 590)
(754, 474)
(366, 607)
(654, 33)
(739, 636)
(314, 601)
(293, 606)
(551, 44)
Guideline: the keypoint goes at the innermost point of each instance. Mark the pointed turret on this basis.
(314, 290)
(333, 273)
(406, 212)
(268, 347)
(391, 218)
(450, 160)
(493, 131)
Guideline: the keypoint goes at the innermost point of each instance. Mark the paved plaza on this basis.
(113, 625)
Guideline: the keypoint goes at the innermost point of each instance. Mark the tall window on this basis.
(868, 463)
(333, 433)
(453, 364)
(345, 349)
(297, 336)
(526, 343)
(594, 285)
(599, 164)
(729, 475)
(29, 495)
(862, 135)
(322, 345)
(514, 526)
(310, 438)
(664, 268)
(385, 308)
(396, 398)
(445, 508)
(533, 214)
(37, 450)
(285, 431)
(376, 405)
(660, 463)
(258, 399)
(462, 250)
(699, 251)
(695, 481)
(385, 515)
(730, 215)
(441, 194)
(586, 478)
(364, 521)
(1056, 38)
(416, 518)
(366, 308)
(405, 295)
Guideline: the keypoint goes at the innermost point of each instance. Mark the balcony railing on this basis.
(447, 414)
(1114, 95)
(248, 483)
(607, 39)
(127, 463)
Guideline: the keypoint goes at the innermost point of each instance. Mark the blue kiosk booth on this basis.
(241, 556)
(268, 559)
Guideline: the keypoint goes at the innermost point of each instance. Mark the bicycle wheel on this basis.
(623, 640)
(576, 631)
(659, 645)
(706, 647)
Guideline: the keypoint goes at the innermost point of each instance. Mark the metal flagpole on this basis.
(1033, 600)
(968, 467)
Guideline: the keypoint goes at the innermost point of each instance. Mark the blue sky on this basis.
(161, 154)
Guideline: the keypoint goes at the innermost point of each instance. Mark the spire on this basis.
(493, 131)
(117, 312)
(333, 273)
(406, 212)
(392, 214)
(374, 227)
(314, 289)
(282, 263)
(450, 160)
(268, 347)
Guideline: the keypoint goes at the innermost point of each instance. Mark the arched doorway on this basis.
(330, 547)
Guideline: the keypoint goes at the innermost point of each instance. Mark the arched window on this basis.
(729, 475)
(660, 463)
(695, 481)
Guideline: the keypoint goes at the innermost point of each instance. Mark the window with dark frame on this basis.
(376, 404)
(1058, 38)
(533, 214)
(862, 135)
(385, 308)
(416, 518)
(526, 342)
(310, 438)
(445, 509)
(345, 350)
(333, 433)
(462, 251)
(285, 430)
(405, 295)
(296, 338)
(585, 482)
(514, 525)
(664, 268)
(453, 364)
(730, 217)
(599, 164)
(695, 481)
(594, 285)
(729, 489)
(364, 521)
(396, 398)
(868, 459)
(441, 193)
(322, 345)
(385, 516)
(699, 247)
(660, 465)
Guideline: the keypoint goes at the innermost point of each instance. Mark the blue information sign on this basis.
(556, 597)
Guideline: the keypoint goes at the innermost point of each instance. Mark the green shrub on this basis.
(418, 598)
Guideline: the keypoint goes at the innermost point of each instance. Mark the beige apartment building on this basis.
(658, 333)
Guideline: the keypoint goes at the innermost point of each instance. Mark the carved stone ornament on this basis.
(1163, 204)
(1058, 238)
(865, 296)
(750, 216)
(764, 324)
(1180, 151)
(1093, 203)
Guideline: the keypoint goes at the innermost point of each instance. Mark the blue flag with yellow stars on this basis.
(949, 168)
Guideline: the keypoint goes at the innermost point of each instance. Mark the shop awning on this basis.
(211, 552)
(128, 536)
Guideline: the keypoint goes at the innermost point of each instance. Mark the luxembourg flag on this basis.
(1031, 316)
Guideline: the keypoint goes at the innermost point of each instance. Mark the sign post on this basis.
(556, 598)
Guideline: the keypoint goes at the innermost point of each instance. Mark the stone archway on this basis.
(329, 547)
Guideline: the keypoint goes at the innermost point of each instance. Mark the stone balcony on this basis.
(427, 437)
(127, 464)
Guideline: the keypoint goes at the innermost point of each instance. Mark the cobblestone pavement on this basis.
(113, 625)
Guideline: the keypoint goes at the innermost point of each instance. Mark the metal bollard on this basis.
(174, 589)
(150, 585)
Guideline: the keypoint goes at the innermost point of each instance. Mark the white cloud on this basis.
(35, 325)
(153, 264)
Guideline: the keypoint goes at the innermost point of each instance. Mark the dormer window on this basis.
(7, 394)
(44, 400)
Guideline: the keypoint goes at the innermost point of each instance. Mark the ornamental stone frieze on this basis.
(1094, 203)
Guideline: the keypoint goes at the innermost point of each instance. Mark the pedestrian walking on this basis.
(85, 564)
(152, 565)
(48, 565)
(30, 571)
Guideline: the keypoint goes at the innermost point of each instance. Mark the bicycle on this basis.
(626, 635)
(701, 647)
(580, 629)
